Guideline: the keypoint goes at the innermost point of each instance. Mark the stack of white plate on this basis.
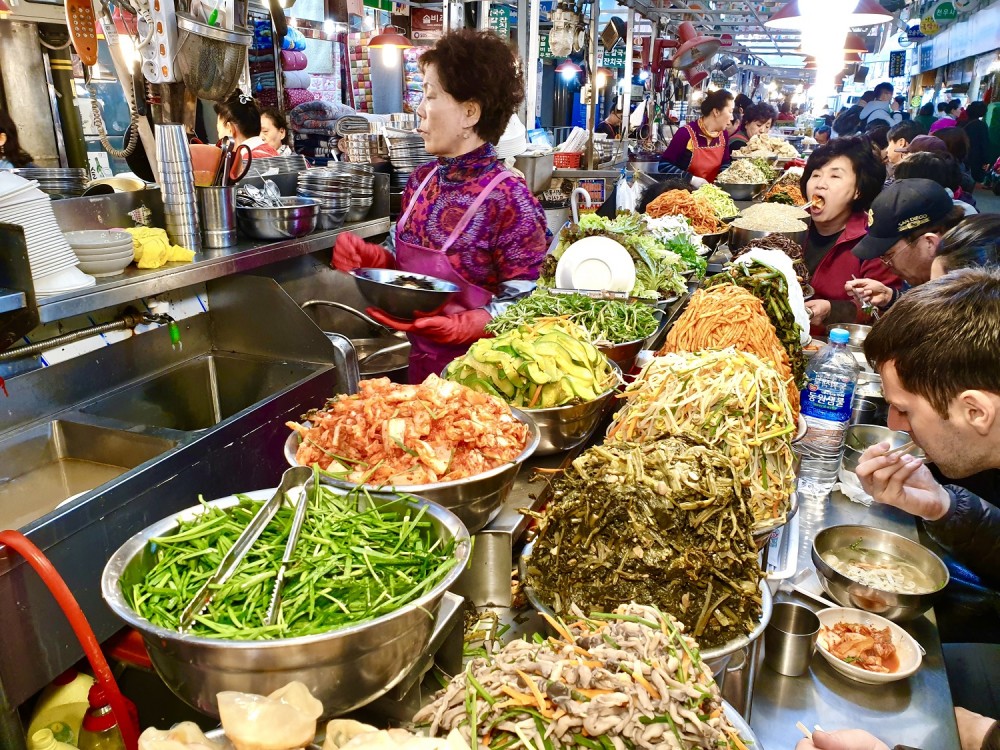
(102, 252)
(53, 264)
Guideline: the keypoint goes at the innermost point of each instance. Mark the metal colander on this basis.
(209, 59)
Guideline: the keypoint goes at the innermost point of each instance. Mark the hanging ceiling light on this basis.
(855, 43)
(568, 69)
(797, 14)
(4, 10)
(391, 42)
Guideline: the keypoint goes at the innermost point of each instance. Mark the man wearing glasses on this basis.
(905, 225)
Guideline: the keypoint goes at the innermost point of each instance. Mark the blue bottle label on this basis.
(828, 398)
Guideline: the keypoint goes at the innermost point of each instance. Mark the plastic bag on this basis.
(284, 720)
(184, 736)
(624, 196)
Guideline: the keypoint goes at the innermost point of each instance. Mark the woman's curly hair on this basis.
(478, 66)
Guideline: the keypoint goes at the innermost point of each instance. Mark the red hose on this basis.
(67, 602)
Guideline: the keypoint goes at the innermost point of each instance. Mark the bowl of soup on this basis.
(878, 571)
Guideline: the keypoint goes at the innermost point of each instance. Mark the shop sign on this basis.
(897, 64)
(595, 189)
(500, 20)
(544, 50)
(964, 5)
(426, 23)
(914, 34)
(726, 40)
(916, 100)
(926, 57)
(928, 26)
(944, 12)
(614, 58)
(903, 40)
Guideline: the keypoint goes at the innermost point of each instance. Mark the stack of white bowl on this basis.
(180, 207)
(102, 252)
(52, 262)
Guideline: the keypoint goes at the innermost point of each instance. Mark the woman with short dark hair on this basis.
(274, 130)
(974, 242)
(699, 150)
(466, 218)
(757, 120)
(844, 176)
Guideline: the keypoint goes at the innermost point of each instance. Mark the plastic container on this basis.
(100, 729)
(826, 407)
(43, 739)
(61, 706)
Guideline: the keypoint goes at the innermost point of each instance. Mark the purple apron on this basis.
(427, 356)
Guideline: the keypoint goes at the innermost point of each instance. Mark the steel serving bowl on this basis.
(624, 355)
(296, 217)
(344, 669)
(713, 239)
(717, 658)
(377, 286)
(741, 191)
(858, 333)
(850, 593)
(738, 236)
(861, 437)
(475, 500)
(561, 428)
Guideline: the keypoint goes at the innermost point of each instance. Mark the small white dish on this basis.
(101, 268)
(596, 263)
(63, 281)
(908, 651)
(110, 255)
(97, 238)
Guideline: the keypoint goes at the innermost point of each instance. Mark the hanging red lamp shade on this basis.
(390, 36)
(692, 49)
(791, 17)
(567, 66)
(855, 43)
(4, 10)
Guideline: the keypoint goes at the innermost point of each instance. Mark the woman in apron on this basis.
(699, 150)
(466, 218)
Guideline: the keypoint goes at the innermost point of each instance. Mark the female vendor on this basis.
(843, 177)
(700, 150)
(757, 120)
(466, 218)
(239, 118)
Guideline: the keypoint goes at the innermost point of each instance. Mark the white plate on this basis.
(97, 238)
(907, 649)
(596, 263)
(106, 267)
(66, 280)
(114, 255)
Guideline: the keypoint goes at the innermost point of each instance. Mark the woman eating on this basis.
(699, 150)
(466, 218)
(239, 118)
(841, 180)
(757, 120)
(274, 131)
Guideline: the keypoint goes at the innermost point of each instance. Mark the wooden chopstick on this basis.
(802, 728)
(901, 449)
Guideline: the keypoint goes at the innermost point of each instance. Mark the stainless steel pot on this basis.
(393, 365)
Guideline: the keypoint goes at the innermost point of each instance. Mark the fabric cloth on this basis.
(979, 148)
(676, 158)
(969, 531)
(261, 81)
(941, 123)
(297, 80)
(296, 97)
(838, 266)
(874, 111)
(267, 98)
(320, 116)
(292, 60)
(506, 241)
(153, 248)
(261, 57)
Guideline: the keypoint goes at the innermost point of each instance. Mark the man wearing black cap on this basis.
(905, 225)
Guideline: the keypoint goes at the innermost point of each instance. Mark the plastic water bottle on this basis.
(826, 407)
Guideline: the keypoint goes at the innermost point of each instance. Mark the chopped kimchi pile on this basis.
(861, 645)
(390, 434)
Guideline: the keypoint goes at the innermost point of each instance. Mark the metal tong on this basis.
(294, 479)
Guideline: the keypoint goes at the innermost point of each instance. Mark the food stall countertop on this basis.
(917, 711)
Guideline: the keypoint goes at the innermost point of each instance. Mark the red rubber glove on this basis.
(459, 328)
(352, 252)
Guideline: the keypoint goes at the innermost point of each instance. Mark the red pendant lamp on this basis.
(791, 17)
(855, 43)
(390, 36)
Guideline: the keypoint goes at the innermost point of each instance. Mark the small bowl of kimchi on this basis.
(865, 647)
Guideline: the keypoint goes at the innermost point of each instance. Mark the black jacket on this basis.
(979, 148)
(970, 531)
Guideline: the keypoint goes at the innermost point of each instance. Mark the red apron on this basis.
(706, 161)
(427, 356)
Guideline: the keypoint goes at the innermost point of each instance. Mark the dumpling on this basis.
(341, 731)
(284, 720)
(184, 736)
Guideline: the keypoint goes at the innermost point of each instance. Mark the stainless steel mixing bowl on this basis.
(296, 217)
(717, 658)
(849, 593)
(561, 428)
(381, 288)
(741, 191)
(475, 500)
(344, 668)
(739, 237)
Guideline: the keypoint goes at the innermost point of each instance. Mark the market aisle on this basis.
(986, 202)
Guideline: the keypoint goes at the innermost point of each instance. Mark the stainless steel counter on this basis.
(916, 711)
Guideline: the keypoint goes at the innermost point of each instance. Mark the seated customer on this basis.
(899, 137)
(973, 243)
(939, 166)
(822, 134)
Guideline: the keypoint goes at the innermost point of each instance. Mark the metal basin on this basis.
(475, 500)
(850, 593)
(52, 462)
(393, 366)
(201, 392)
(564, 427)
(344, 669)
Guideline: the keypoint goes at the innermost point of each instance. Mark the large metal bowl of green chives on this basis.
(344, 668)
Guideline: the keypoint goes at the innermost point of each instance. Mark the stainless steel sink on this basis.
(201, 392)
(43, 466)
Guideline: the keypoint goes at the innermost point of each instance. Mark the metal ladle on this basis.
(356, 313)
